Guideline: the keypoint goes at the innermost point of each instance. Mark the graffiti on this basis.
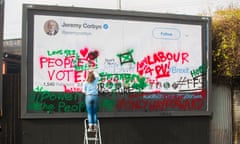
(71, 58)
(159, 63)
(162, 102)
(200, 70)
(109, 102)
(186, 83)
(154, 83)
(45, 95)
(126, 57)
(72, 89)
(120, 91)
(121, 81)
(43, 100)
(65, 102)
(66, 53)
(183, 83)
(49, 62)
(160, 57)
(162, 105)
(72, 66)
(64, 107)
(84, 51)
(93, 55)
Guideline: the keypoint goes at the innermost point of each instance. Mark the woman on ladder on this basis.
(90, 89)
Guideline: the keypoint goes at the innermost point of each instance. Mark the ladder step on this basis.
(93, 139)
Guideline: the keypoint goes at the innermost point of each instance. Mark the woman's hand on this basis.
(91, 69)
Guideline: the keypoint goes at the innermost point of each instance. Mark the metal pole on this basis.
(1, 54)
(119, 4)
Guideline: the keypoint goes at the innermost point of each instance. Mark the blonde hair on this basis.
(90, 77)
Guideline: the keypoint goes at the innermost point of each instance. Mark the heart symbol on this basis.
(84, 52)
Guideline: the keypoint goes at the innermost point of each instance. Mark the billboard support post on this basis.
(1, 53)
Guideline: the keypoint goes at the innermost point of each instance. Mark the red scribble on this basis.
(93, 55)
(162, 70)
(203, 93)
(156, 91)
(88, 56)
(125, 104)
(161, 104)
(92, 63)
(72, 89)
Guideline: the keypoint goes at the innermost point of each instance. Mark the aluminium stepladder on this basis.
(93, 136)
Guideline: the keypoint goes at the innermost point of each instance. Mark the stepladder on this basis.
(93, 136)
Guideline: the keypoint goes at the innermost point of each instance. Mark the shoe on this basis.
(95, 127)
(91, 128)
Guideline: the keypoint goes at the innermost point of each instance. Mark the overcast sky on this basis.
(13, 8)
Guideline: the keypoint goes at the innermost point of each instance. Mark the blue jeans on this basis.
(92, 105)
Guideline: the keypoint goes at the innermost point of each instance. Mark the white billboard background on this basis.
(110, 37)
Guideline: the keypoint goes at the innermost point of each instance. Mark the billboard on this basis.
(149, 64)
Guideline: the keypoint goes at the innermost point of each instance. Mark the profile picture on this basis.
(51, 27)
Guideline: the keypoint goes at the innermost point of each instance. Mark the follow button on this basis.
(166, 33)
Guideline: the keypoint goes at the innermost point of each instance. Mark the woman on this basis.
(91, 91)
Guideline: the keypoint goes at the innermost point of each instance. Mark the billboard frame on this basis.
(30, 10)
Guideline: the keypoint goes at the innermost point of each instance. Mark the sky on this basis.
(13, 9)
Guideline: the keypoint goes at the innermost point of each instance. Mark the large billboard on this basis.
(149, 64)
